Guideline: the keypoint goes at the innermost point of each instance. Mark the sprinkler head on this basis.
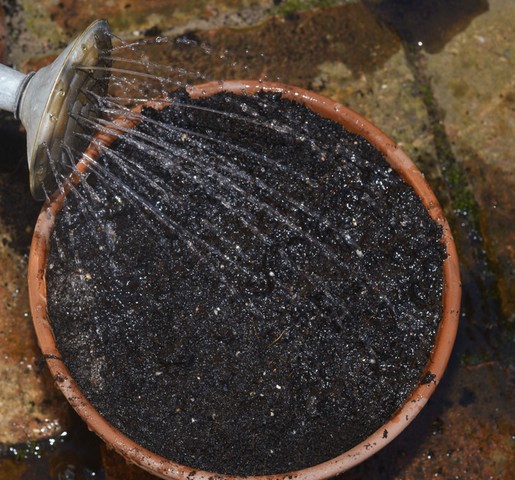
(51, 101)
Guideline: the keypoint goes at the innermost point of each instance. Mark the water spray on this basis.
(49, 102)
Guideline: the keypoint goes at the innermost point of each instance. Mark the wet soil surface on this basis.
(230, 286)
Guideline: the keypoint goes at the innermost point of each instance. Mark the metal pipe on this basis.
(11, 82)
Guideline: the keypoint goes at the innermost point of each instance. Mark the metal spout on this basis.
(50, 102)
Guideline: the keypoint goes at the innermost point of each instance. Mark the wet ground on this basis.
(437, 76)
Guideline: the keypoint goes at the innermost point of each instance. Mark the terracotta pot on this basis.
(436, 364)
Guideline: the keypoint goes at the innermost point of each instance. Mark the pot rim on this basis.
(165, 468)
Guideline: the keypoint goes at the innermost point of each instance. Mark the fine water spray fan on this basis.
(51, 101)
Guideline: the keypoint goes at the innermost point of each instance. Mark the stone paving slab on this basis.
(474, 84)
(30, 407)
(40, 29)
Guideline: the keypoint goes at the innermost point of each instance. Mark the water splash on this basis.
(135, 79)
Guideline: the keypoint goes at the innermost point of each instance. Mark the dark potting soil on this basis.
(245, 287)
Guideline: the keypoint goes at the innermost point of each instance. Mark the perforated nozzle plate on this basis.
(54, 99)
